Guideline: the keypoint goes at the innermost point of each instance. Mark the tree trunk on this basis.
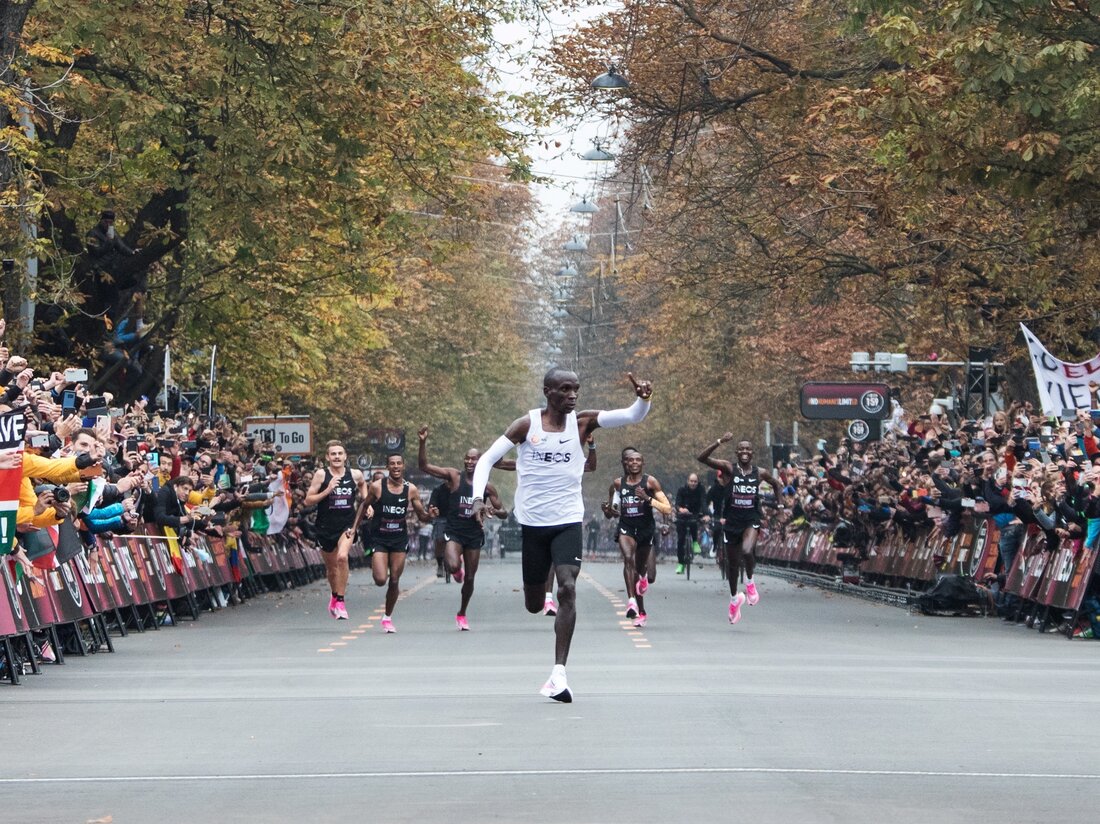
(13, 16)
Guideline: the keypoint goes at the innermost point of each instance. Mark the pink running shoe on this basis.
(387, 625)
(463, 624)
(753, 595)
(550, 608)
(458, 575)
(332, 606)
(631, 608)
(735, 607)
(341, 611)
(642, 587)
(640, 620)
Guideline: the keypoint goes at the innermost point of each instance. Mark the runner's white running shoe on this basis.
(557, 688)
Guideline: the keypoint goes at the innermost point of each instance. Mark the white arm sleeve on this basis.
(501, 447)
(610, 418)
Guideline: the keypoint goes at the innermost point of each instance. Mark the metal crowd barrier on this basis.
(1050, 582)
(141, 581)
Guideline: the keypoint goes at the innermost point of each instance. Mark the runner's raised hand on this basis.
(643, 389)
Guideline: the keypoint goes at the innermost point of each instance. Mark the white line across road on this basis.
(664, 771)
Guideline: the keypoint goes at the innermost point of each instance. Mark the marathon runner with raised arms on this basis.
(741, 514)
(464, 534)
(549, 505)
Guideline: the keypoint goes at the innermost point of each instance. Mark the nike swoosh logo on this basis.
(564, 440)
(578, 560)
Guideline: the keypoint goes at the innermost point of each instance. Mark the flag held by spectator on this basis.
(1061, 385)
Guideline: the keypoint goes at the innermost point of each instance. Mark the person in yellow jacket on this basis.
(38, 510)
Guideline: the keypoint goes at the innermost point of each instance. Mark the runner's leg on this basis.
(566, 621)
(330, 569)
(342, 571)
(471, 558)
(733, 558)
(379, 567)
(397, 566)
(748, 545)
(627, 548)
(549, 607)
(453, 555)
(642, 564)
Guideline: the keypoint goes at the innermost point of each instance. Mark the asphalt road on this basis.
(816, 707)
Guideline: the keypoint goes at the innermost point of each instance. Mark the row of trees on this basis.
(829, 177)
(309, 184)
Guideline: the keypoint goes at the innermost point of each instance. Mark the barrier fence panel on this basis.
(95, 582)
(71, 603)
(131, 573)
(1070, 571)
(12, 620)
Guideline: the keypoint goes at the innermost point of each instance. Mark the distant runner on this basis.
(464, 535)
(638, 495)
(391, 498)
(333, 491)
(741, 512)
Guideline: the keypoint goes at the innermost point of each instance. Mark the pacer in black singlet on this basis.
(638, 495)
(391, 497)
(463, 533)
(741, 514)
(335, 513)
(333, 491)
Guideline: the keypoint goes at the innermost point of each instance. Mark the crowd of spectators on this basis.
(90, 467)
(1022, 470)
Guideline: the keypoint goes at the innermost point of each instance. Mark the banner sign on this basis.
(845, 401)
(291, 434)
(1061, 385)
(12, 428)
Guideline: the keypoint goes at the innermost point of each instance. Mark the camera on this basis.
(60, 493)
(76, 375)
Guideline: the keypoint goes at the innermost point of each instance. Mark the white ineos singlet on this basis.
(549, 466)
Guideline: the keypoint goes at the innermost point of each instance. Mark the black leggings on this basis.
(682, 530)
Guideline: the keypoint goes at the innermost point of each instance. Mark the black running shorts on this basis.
(328, 541)
(734, 532)
(642, 534)
(394, 543)
(549, 546)
(467, 540)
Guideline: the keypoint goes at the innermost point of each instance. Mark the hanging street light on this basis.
(597, 154)
(611, 79)
(576, 244)
(585, 207)
(568, 270)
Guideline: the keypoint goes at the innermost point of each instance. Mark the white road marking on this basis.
(132, 779)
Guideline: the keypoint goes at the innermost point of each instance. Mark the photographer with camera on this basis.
(37, 508)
